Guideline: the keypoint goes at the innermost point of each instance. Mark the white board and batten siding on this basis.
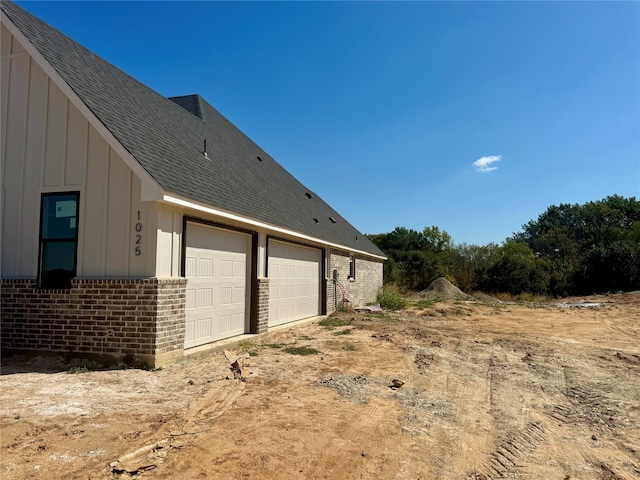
(49, 146)
(294, 282)
(169, 233)
(217, 268)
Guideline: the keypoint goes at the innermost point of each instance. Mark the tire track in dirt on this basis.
(585, 404)
(491, 384)
(589, 407)
(511, 453)
(628, 334)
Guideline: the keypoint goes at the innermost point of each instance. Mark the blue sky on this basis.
(470, 116)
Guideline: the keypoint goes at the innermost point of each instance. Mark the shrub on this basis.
(390, 298)
(342, 308)
(84, 366)
(78, 369)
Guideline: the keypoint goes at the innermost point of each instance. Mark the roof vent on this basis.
(333, 220)
(308, 195)
(316, 220)
(205, 149)
(259, 159)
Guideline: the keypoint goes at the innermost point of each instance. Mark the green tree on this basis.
(591, 247)
(471, 265)
(569, 249)
(436, 241)
(518, 270)
(415, 258)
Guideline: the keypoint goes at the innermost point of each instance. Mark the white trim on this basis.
(151, 190)
(256, 223)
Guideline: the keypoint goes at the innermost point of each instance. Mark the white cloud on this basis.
(483, 164)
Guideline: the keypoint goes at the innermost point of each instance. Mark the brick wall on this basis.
(170, 319)
(143, 317)
(331, 295)
(364, 288)
(262, 310)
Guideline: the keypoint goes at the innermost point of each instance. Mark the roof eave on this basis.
(151, 189)
(187, 203)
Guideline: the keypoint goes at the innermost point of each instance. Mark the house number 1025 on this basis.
(138, 245)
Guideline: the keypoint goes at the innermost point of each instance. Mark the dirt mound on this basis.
(443, 289)
(484, 298)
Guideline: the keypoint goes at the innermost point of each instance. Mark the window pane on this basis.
(59, 214)
(58, 231)
(58, 264)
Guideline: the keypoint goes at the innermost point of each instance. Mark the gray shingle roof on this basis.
(167, 138)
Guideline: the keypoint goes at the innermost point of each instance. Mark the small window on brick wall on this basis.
(58, 239)
(352, 267)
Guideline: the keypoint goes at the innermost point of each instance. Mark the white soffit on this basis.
(174, 200)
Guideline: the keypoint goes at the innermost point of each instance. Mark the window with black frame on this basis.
(58, 239)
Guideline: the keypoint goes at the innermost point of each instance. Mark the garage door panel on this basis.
(239, 269)
(190, 267)
(226, 296)
(204, 327)
(205, 298)
(216, 271)
(226, 268)
(294, 276)
(205, 267)
(191, 297)
(190, 330)
(238, 295)
(225, 322)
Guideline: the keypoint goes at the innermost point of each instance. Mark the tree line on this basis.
(568, 250)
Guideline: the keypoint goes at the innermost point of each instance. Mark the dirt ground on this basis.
(481, 391)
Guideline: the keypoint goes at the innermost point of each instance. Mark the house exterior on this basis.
(137, 224)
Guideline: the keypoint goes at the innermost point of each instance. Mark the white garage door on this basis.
(216, 266)
(294, 282)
